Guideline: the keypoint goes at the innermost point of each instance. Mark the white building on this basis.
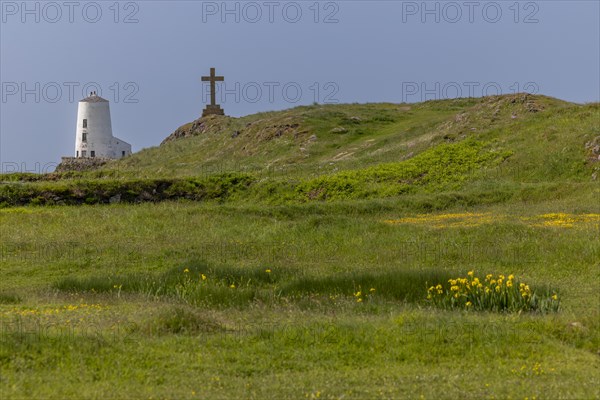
(94, 136)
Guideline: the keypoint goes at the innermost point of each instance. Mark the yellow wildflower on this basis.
(470, 273)
(186, 270)
(469, 304)
(203, 277)
(268, 271)
(554, 297)
(232, 286)
(372, 290)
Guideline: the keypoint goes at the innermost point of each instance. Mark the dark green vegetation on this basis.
(272, 263)
(129, 191)
(202, 285)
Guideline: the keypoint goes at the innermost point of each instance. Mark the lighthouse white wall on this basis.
(94, 136)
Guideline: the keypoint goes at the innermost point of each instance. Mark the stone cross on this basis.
(213, 108)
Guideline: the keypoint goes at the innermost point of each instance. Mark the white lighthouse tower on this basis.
(94, 136)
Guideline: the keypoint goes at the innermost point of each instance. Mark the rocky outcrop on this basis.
(258, 131)
(208, 124)
(593, 149)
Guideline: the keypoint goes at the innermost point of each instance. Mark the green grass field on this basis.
(312, 282)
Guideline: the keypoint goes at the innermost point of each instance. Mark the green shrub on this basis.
(443, 167)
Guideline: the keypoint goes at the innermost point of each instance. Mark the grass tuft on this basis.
(180, 320)
(10, 298)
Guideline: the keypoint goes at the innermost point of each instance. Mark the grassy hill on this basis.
(322, 139)
(297, 254)
(349, 152)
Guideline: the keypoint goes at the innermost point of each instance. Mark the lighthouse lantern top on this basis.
(94, 98)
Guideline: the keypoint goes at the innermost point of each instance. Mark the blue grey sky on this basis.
(147, 57)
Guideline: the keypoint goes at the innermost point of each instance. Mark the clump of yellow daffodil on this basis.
(493, 293)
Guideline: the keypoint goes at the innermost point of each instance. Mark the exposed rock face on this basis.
(80, 164)
(593, 149)
(115, 199)
(339, 129)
